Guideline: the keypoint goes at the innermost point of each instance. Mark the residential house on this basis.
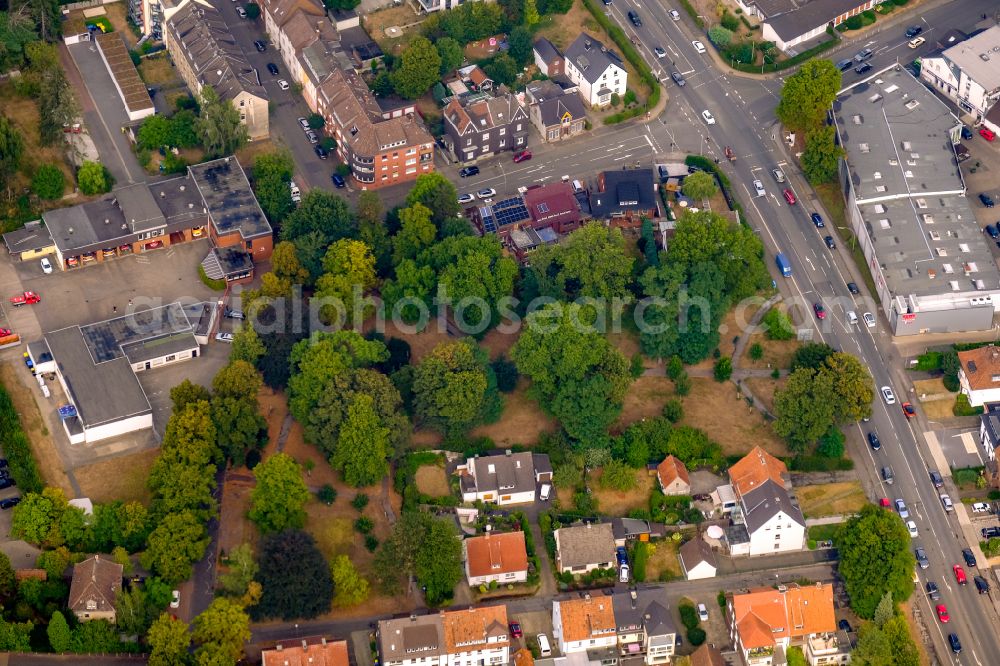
(500, 557)
(697, 559)
(707, 655)
(673, 477)
(306, 652)
(584, 624)
(380, 148)
(296, 25)
(94, 590)
(634, 529)
(417, 640)
(476, 636)
(553, 206)
(597, 70)
(644, 626)
(206, 54)
(967, 73)
(484, 127)
(989, 431)
(772, 519)
(583, 548)
(557, 114)
(789, 23)
(278, 13)
(753, 469)
(979, 375)
(765, 622)
(547, 58)
(625, 197)
(428, 6)
(509, 478)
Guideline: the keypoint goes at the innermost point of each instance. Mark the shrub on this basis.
(756, 351)
(327, 494)
(729, 22)
(673, 411)
(215, 285)
(804, 463)
(17, 448)
(723, 369)
(900, 3)
(993, 495)
(682, 385)
(506, 374)
(869, 16)
(675, 367)
(689, 616)
(640, 555)
(364, 525)
(854, 23)
(967, 476)
(720, 36)
(696, 636)
(928, 362)
(637, 367)
(630, 97)
(990, 548)
(360, 501)
(720, 599)
(777, 325)
(48, 182)
(615, 99)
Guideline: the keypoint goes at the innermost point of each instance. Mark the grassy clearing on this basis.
(122, 478)
(644, 400)
(158, 71)
(831, 499)
(522, 421)
(432, 480)
(777, 353)
(726, 418)
(615, 503)
(399, 16)
(823, 532)
(764, 388)
(663, 562)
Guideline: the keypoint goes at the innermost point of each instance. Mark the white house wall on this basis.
(118, 428)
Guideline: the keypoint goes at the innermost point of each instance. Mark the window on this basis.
(503, 130)
(518, 127)
(172, 357)
(486, 137)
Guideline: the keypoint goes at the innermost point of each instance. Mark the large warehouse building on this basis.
(907, 205)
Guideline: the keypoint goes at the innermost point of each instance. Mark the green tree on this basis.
(577, 375)
(885, 611)
(520, 45)
(134, 611)
(350, 587)
(618, 476)
(450, 53)
(8, 581)
(531, 17)
(241, 567)
(756, 351)
(419, 67)
(253, 10)
(278, 500)
(591, 262)
(700, 185)
(502, 69)
(777, 325)
(11, 147)
(246, 345)
(93, 178)
(416, 233)
(95, 637)
(48, 182)
(272, 173)
(154, 132)
(175, 545)
(363, 445)
(323, 215)
(294, 577)
(349, 272)
(454, 387)
(219, 125)
(59, 633)
(888, 645)
(567, 475)
(437, 193)
(831, 444)
(875, 558)
(224, 624)
(187, 393)
(239, 380)
(821, 156)
(477, 276)
(169, 641)
(17, 31)
(38, 518)
(57, 106)
(805, 407)
(811, 355)
(413, 284)
(240, 426)
(720, 36)
(723, 369)
(54, 562)
(425, 547)
(808, 94)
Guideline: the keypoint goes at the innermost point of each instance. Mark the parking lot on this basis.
(982, 175)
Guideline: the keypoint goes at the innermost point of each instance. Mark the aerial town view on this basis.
(500, 332)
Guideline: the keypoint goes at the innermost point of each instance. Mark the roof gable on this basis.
(496, 553)
(755, 468)
(95, 586)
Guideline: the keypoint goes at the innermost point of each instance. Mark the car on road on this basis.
(633, 16)
(338, 181)
(845, 65)
(304, 124)
(224, 337)
(987, 134)
(660, 53)
(778, 174)
(678, 79)
(936, 478)
(885, 503)
(283, 84)
(674, 14)
(942, 612)
(844, 625)
(869, 319)
(908, 410)
(46, 265)
(966, 132)
(10, 502)
(911, 527)
(959, 574)
(947, 503)
(932, 590)
(981, 584)
(829, 242)
(863, 54)
(853, 288)
(466, 198)
(969, 557)
(271, 67)
(698, 46)
(913, 31)
(922, 558)
(175, 599)
(259, 45)
(709, 118)
(759, 188)
(863, 68)
(702, 613)
(486, 193)
(242, 13)
(522, 156)
(789, 196)
(887, 395)
(817, 220)
(991, 231)
(986, 199)
(819, 311)
(901, 509)
(468, 171)
(320, 152)
(954, 643)
(916, 42)
(873, 441)
(990, 532)
(515, 629)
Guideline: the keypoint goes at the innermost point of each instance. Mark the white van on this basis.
(543, 646)
(544, 492)
(296, 194)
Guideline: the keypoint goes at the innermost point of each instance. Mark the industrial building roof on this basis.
(231, 203)
(131, 88)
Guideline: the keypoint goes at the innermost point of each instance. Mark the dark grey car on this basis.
(678, 79)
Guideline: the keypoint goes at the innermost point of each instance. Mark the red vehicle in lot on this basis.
(987, 134)
(522, 156)
(27, 298)
(515, 629)
(959, 575)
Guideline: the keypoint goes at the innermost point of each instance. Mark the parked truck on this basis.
(784, 265)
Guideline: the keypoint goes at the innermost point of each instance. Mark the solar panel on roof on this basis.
(489, 225)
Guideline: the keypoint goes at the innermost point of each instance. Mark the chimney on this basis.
(278, 647)
(305, 646)
(508, 452)
(323, 640)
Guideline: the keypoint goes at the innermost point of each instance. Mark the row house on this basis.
(611, 628)
(471, 637)
(381, 147)
(967, 73)
(556, 114)
(483, 127)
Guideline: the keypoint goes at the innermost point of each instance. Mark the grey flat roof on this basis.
(102, 392)
(162, 345)
(903, 168)
(231, 203)
(178, 199)
(106, 339)
(979, 57)
(794, 22)
(92, 223)
(139, 208)
(28, 237)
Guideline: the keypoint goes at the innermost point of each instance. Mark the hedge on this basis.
(708, 165)
(215, 285)
(17, 448)
(622, 41)
(804, 463)
(791, 62)
(693, 13)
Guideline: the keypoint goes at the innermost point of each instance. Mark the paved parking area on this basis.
(985, 159)
(532, 624)
(957, 448)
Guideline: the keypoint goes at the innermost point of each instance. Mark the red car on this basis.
(819, 310)
(4, 332)
(885, 503)
(942, 612)
(959, 575)
(522, 156)
(987, 134)
(27, 298)
(515, 629)
(789, 196)
(908, 410)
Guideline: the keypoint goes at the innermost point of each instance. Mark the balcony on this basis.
(824, 645)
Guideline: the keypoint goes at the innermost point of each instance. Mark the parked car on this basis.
(853, 288)
(468, 171)
(991, 231)
(916, 42)
(863, 54)
(959, 574)
(9, 503)
(829, 242)
(702, 613)
(466, 198)
(175, 599)
(338, 181)
(863, 68)
(46, 265)
(966, 132)
(980, 507)
(622, 555)
(987, 134)
(320, 152)
(981, 583)
(969, 557)
(25, 298)
(947, 504)
(901, 509)
(844, 625)
(887, 395)
(922, 558)
(936, 478)
(515, 630)
(522, 156)
(698, 46)
(633, 16)
(235, 314)
(869, 319)
(911, 527)
(6, 482)
(242, 13)
(845, 65)
(283, 84)
(932, 590)
(259, 45)
(312, 136)
(990, 532)
(224, 337)
(271, 67)
(678, 79)
(486, 193)
(986, 199)
(304, 124)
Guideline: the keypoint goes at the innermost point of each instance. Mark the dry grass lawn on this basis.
(764, 388)
(522, 420)
(777, 353)
(627, 343)
(403, 15)
(734, 325)
(123, 478)
(234, 527)
(616, 503)
(421, 343)
(158, 71)
(644, 400)
(831, 499)
(936, 401)
(716, 409)
(930, 388)
(663, 561)
(907, 609)
(432, 480)
(498, 344)
(50, 464)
